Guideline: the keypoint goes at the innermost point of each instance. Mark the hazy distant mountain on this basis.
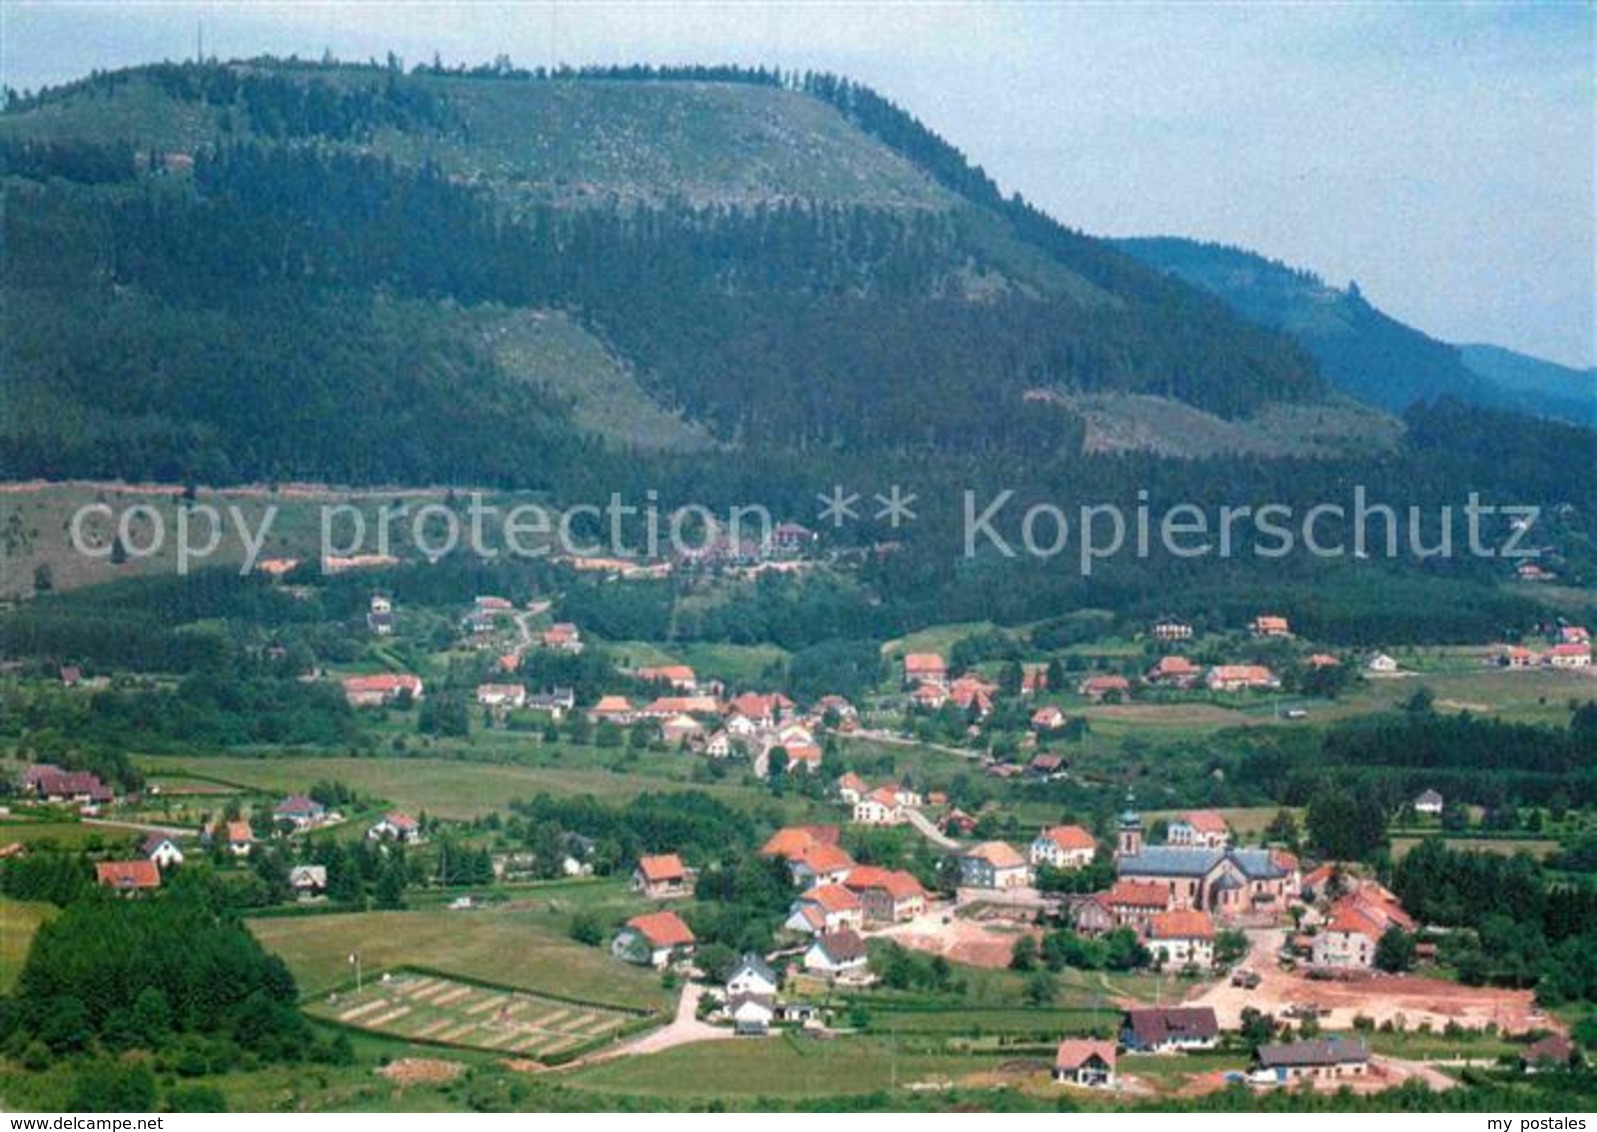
(1537, 380)
(1364, 351)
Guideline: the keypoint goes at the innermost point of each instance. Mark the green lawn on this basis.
(521, 948)
(778, 1067)
(18, 922)
(458, 788)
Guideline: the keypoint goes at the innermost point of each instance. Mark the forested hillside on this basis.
(204, 262)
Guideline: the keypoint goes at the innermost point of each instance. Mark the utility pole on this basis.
(354, 961)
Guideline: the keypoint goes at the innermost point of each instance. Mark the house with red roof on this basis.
(395, 826)
(1085, 1061)
(655, 939)
(384, 688)
(1241, 678)
(1181, 938)
(678, 677)
(851, 788)
(1173, 672)
(613, 709)
(661, 877)
(1353, 929)
(880, 807)
(1133, 902)
(128, 876)
(887, 896)
(925, 668)
(1202, 829)
(826, 908)
(1101, 687)
(1568, 655)
(1063, 847)
(1269, 625)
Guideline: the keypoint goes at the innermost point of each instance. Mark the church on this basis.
(1228, 883)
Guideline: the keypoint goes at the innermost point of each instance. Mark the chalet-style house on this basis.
(1063, 847)
(752, 975)
(1429, 804)
(1269, 625)
(1320, 1058)
(994, 865)
(382, 689)
(1169, 1029)
(1173, 672)
(751, 1014)
(1102, 687)
(1169, 629)
(1241, 678)
(655, 939)
(162, 850)
(826, 908)
(1085, 1061)
(300, 812)
(503, 697)
(395, 826)
(925, 668)
(308, 881)
(887, 896)
(840, 955)
(661, 877)
(1181, 939)
(678, 677)
(1201, 828)
(127, 876)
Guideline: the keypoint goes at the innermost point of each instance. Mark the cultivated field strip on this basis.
(433, 1009)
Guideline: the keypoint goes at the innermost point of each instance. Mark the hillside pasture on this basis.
(523, 947)
(418, 1006)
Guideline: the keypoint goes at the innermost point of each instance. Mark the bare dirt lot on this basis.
(961, 940)
(1409, 1000)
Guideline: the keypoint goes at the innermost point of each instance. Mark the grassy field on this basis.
(523, 947)
(18, 922)
(1537, 847)
(779, 1067)
(425, 1007)
(453, 788)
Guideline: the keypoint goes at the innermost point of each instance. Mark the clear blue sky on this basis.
(1440, 154)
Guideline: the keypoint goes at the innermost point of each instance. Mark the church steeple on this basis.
(1130, 843)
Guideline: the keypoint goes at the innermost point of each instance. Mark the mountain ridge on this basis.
(901, 304)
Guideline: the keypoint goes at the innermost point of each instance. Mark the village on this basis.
(1261, 967)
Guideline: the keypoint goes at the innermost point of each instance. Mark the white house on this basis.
(1380, 665)
(1181, 938)
(1429, 803)
(880, 807)
(839, 954)
(752, 976)
(1064, 847)
(751, 1014)
(395, 826)
(308, 880)
(655, 939)
(162, 850)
